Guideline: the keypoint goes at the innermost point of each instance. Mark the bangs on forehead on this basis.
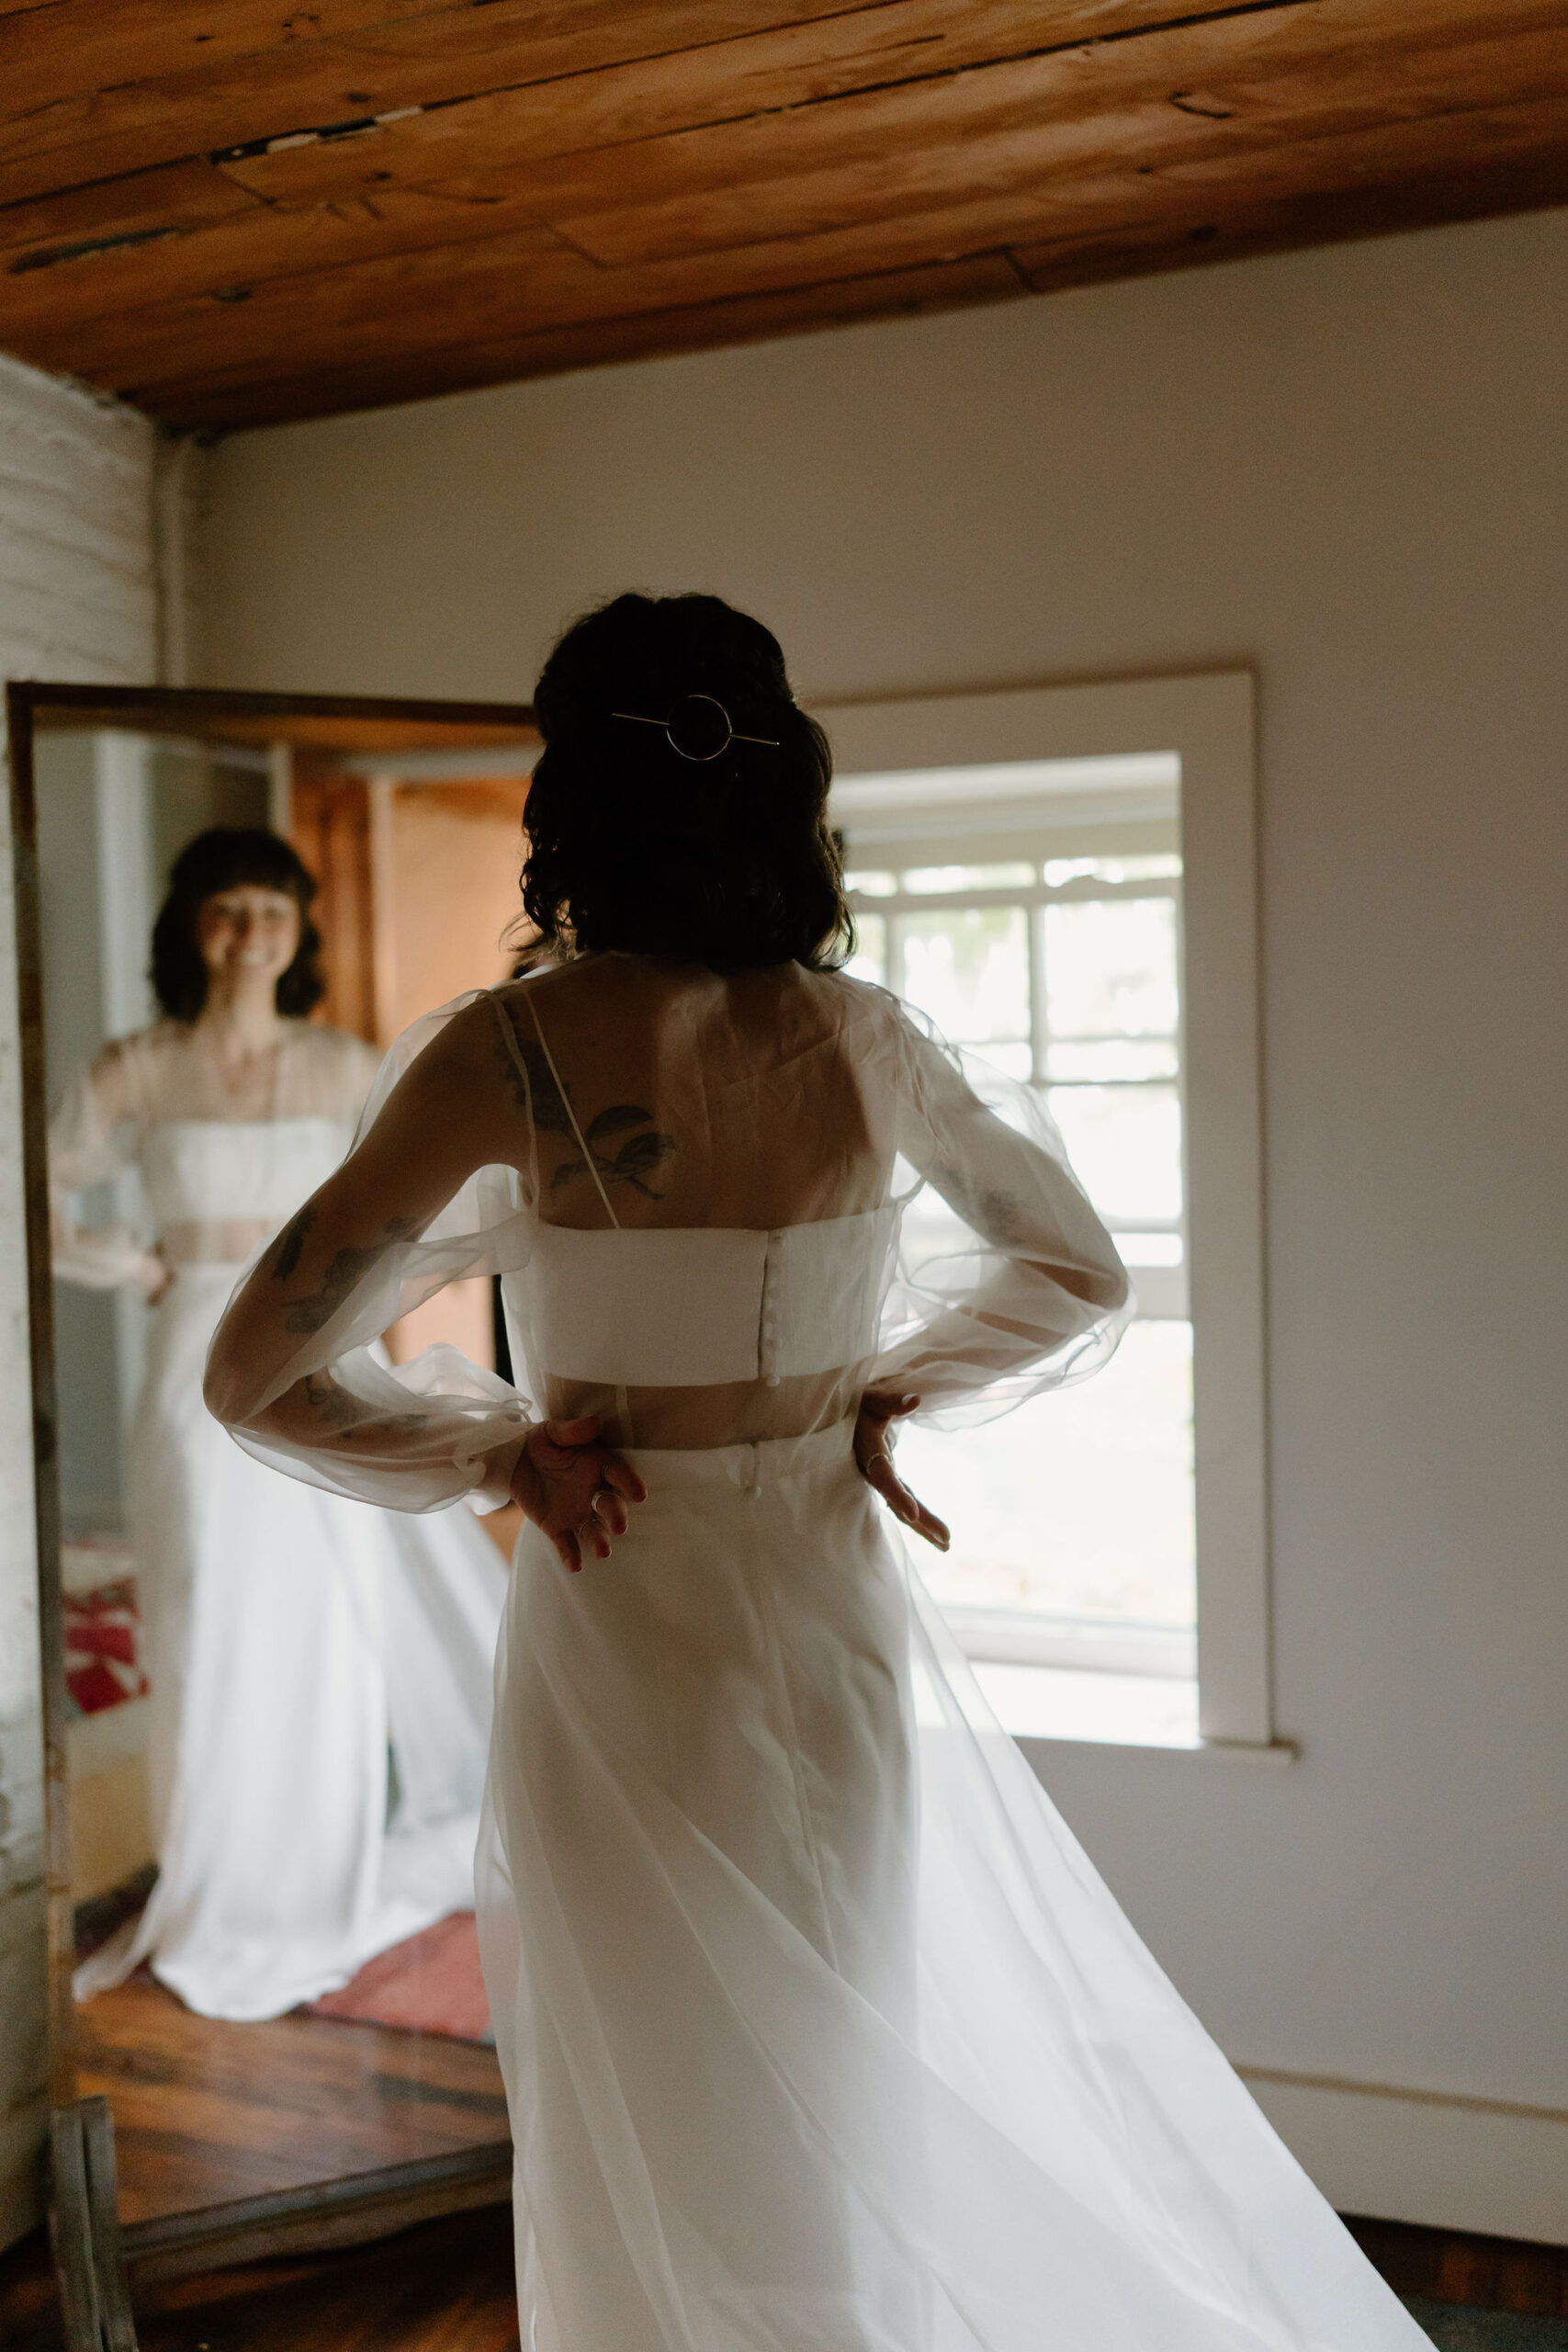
(234, 857)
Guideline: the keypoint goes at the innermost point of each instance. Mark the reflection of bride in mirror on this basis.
(294, 1638)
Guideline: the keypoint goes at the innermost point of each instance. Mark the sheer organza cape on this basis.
(819, 2032)
(793, 1119)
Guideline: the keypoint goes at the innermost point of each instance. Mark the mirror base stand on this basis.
(84, 2228)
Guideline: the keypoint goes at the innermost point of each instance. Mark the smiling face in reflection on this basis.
(248, 935)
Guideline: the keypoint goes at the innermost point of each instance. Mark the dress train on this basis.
(820, 2032)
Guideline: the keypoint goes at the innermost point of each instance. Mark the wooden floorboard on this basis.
(447, 2286)
(30, 2310)
(206, 2111)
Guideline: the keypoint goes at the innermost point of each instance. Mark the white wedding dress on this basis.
(820, 2033)
(293, 1640)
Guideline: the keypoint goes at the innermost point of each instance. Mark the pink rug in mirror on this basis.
(431, 1984)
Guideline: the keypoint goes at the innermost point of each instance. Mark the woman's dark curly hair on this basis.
(726, 860)
(223, 859)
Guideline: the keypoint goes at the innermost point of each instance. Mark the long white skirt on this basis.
(293, 1639)
(821, 2034)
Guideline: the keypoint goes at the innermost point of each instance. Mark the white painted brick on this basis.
(78, 601)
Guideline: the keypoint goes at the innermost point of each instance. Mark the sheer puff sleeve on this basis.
(92, 1140)
(1007, 1283)
(295, 1372)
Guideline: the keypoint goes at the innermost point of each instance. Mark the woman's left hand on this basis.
(574, 1489)
(874, 1459)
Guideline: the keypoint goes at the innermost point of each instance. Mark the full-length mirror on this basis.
(271, 1705)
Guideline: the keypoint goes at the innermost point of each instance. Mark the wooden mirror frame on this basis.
(94, 2252)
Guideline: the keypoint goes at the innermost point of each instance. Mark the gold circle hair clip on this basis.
(700, 719)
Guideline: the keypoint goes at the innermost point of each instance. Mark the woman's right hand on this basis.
(874, 1459)
(156, 1275)
(574, 1489)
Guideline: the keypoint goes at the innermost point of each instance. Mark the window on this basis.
(1082, 917)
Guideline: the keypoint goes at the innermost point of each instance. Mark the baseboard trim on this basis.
(1497, 2166)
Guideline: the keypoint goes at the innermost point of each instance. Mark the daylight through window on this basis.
(1047, 936)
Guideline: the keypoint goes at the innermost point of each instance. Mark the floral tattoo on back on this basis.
(633, 1161)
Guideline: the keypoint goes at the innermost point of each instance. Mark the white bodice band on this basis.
(674, 1306)
(724, 1276)
(209, 1176)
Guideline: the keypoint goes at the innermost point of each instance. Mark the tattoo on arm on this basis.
(339, 1410)
(996, 1216)
(327, 1401)
(343, 1277)
(538, 1093)
(291, 1243)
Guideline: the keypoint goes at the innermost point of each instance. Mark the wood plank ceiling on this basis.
(233, 216)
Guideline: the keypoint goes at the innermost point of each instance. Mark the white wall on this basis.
(1348, 468)
(77, 600)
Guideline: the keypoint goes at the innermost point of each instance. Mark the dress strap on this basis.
(510, 1036)
(517, 1052)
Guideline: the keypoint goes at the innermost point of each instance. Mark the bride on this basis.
(293, 1639)
(819, 2033)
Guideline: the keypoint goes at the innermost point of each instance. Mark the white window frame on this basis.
(1209, 722)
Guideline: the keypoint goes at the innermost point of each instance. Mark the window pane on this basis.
(1125, 1143)
(1111, 967)
(969, 969)
(872, 886)
(1149, 1249)
(1014, 1061)
(1165, 866)
(869, 961)
(968, 878)
(1078, 1505)
(1112, 1058)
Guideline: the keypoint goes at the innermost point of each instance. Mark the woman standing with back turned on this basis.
(819, 2033)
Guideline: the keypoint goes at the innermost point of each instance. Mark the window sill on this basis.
(1048, 1707)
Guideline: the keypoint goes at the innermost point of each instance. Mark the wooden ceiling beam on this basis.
(433, 57)
(773, 86)
(538, 184)
(812, 58)
(747, 318)
(489, 142)
(1121, 215)
(1210, 226)
(1022, 168)
(77, 223)
(65, 54)
(1211, 108)
(1213, 232)
(164, 260)
(526, 281)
